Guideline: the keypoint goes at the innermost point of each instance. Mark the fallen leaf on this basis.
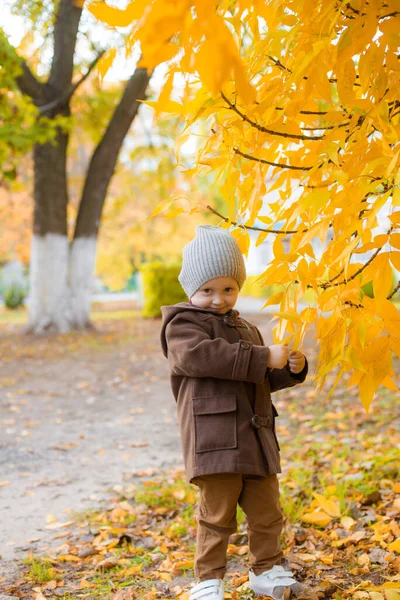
(127, 594)
(364, 560)
(326, 560)
(392, 594)
(395, 546)
(330, 507)
(57, 525)
(317, 518)
(107, 563)
(50, 585)
(347, 522)
(68, 558)
(305, 557)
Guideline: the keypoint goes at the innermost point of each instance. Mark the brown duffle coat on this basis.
(222, 387)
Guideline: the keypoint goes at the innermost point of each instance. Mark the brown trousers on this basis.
(219, 496)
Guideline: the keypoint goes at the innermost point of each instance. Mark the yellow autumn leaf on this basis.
(330, 507)
(183, 564)
(274, 299)
(395, 240)
(326, 560)
(317, 518)
(383, 277)
(395, 260)
(116, 17)
(288, 316)
(106, 61)
(395, 546)
(367, 390)
(68, 558)
(392, 594)
(243, 239)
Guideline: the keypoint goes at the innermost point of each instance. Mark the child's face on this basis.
(220, 294)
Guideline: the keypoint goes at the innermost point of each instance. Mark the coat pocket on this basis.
(215, 423)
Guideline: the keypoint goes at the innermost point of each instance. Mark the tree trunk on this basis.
(48, 289)
(82, 266)
(61, 274)
(100, 172)
(61, 283)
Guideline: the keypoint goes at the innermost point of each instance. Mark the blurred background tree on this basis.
(61, 60)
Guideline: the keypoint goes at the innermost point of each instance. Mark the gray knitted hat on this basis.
(212, 253)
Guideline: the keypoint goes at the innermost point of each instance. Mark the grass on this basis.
(40, 570)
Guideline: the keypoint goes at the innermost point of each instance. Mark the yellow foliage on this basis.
(300, 113)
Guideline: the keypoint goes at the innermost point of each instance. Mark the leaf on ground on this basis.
(329, 506)
(317, 518)
(395, 546)
(123, 595)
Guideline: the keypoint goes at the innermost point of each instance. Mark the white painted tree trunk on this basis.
(81, 279)
(61, 282)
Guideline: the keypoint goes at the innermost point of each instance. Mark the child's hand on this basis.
(278, 356)
(296, 361)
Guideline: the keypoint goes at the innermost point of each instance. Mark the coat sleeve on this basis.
(279, 379)
(193, 353)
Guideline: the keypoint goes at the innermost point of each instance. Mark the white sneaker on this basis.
(211, 589)
(275, 583)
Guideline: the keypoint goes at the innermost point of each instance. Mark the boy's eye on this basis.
(207, 290)
(228, 289)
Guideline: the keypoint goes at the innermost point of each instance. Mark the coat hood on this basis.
(169, 312)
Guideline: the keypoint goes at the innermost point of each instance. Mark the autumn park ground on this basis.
(93, 501)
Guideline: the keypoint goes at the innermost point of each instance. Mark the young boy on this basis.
(222, 377)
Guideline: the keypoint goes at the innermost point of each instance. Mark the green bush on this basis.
(14, 296)
(160, 287)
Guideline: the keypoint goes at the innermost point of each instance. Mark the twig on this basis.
(271, 164)
(292, 136)
(396, 289)
(328, 284)
(279, 231)
(69, 93)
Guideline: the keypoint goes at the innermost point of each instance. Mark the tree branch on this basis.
(270, 163)
(65, 34)
(64, 98)
(236, 224)
(396, 289)
(360, 270)
(28, 83)
(104, 159)
(292, 136)
(395, 13)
